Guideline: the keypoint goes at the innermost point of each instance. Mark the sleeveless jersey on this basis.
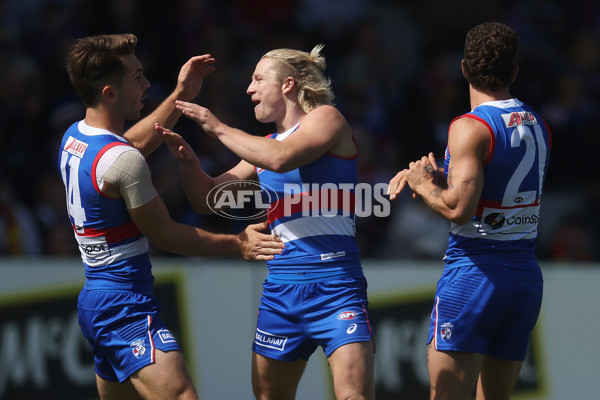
(314, 216)
(504, 228)
(114, 252)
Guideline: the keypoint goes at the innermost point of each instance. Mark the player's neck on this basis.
(478, 97)
(292, 117)
(99, 118)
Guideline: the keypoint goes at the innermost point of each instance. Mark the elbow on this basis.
(279, 167)
(161, 242)
(460, 220)
(279, 163)
(460, 217)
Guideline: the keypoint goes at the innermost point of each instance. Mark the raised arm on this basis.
(189, 82)
(321, 130)
(196, 183)
(457, 198)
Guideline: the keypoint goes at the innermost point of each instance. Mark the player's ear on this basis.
(462, 67)
(108, 92)
(288, 84)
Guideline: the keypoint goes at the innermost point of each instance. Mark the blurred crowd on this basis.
(395, 67)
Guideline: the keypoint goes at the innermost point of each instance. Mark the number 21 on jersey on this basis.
(527, 129)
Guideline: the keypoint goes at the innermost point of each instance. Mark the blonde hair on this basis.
(308, 71)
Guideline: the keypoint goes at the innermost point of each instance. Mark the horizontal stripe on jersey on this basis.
(314, 217)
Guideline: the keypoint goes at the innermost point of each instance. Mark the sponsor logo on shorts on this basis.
(270, 340)
(446, 330)
(346, 315)
(329, 256)
(351, 329)
(138, 348)
(166, 336)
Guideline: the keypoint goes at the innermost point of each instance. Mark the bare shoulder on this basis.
(328, 115)
(468, 124)
(469, 134)
(329, 126)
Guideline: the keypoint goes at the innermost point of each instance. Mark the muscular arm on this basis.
(457, 198)
(152, 218)
(323, 129)
(154, 221)
(197, 184)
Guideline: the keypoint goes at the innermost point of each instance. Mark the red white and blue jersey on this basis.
(114, 252)
(314, 216)
(504, 227)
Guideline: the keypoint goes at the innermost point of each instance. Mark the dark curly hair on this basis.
(490, 59)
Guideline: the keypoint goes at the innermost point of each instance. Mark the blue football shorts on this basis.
(294, 319)
(124, 330)
(486, 309)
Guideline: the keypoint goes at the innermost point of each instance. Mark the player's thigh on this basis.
(167, 378)
(275, 379)
(109, 390)
(352, 367)
(453, 374)
(497, 378)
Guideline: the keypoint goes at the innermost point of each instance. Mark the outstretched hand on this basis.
(257, 246)
(397, 184)
(203, 117)
(180, 149)
(192, 74)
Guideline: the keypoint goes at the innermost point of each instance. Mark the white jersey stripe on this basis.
(95, 252)
(314, 226)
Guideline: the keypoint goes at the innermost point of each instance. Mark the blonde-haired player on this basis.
(315, 293)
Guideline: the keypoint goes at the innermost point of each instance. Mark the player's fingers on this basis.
(184, 153)
(392, 190)
(432, 160)
(402, 185)
(275, 249)
(392, 185)
(261, 226)
(183, 104)
(395, 181)
(201, 59)
(158, 127)
(272, 242)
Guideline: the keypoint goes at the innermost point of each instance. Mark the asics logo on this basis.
(351, 329)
